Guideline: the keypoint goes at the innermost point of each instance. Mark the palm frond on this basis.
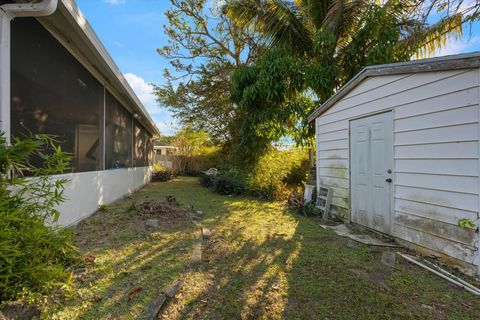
(281, 22)
(424, 41)
(314, 10)
(343, 18)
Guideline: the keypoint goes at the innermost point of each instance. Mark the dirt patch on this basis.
(19, 310)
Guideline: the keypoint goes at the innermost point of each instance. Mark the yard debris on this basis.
(19, 310)
(155, 307)
(96, 298)
(134, 293)
(442, 273)
(344, 231)
(169, 209)
(79, 271)
(206, 233)
(173, 289)
(89, 259)
(197, 251)
(152, 224)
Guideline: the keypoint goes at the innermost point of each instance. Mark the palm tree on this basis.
(318, 45)
(297, 22)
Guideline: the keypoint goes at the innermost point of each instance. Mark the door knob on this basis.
(388, 180)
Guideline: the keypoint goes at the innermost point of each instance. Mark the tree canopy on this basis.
(315, 47)
(205, 45)
(249, 72)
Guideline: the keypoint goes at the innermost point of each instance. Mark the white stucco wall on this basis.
(85, 191)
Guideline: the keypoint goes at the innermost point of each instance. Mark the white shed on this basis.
(399, 146)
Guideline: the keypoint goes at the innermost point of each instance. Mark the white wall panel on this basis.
(86, 191)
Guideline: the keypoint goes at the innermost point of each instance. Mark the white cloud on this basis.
(144, 91)
(114, 2)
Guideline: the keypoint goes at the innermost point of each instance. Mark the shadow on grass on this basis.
(131, 263)
(263, 262)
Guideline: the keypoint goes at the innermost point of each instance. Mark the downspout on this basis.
(7, 13)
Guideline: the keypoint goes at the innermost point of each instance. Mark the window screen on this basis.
(118, 134)
(140, 145)
(53, 93)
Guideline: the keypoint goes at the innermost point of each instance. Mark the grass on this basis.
(261, 262)
(126, 264)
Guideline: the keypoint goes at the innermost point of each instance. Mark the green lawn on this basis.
(261, 262)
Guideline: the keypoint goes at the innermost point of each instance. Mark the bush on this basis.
(278, 173)
(35, 254)
(162, 174)
(228, 184)
(274, 177)
(207, 180)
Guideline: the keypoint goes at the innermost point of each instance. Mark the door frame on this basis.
(392, 185)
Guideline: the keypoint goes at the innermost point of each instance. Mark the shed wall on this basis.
(436, 154)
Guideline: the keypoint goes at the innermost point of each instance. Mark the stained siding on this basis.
(436, 153)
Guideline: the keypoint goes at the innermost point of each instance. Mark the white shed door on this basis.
(371, 145)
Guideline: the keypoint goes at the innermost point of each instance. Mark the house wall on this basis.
(436, 155)
(86, 191)
(54, 93)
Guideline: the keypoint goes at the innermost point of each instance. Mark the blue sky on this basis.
(131, 30)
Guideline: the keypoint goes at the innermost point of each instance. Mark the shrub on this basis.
(35, 254)
(278, 173)
(228, 184)
(207, 180)
(162, 174)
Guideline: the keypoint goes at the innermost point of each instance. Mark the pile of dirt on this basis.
(19, 310)
(169, 209)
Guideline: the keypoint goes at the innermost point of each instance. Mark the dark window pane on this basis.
(118, 134)
(53, 93)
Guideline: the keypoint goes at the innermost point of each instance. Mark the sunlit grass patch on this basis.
(264, 262)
